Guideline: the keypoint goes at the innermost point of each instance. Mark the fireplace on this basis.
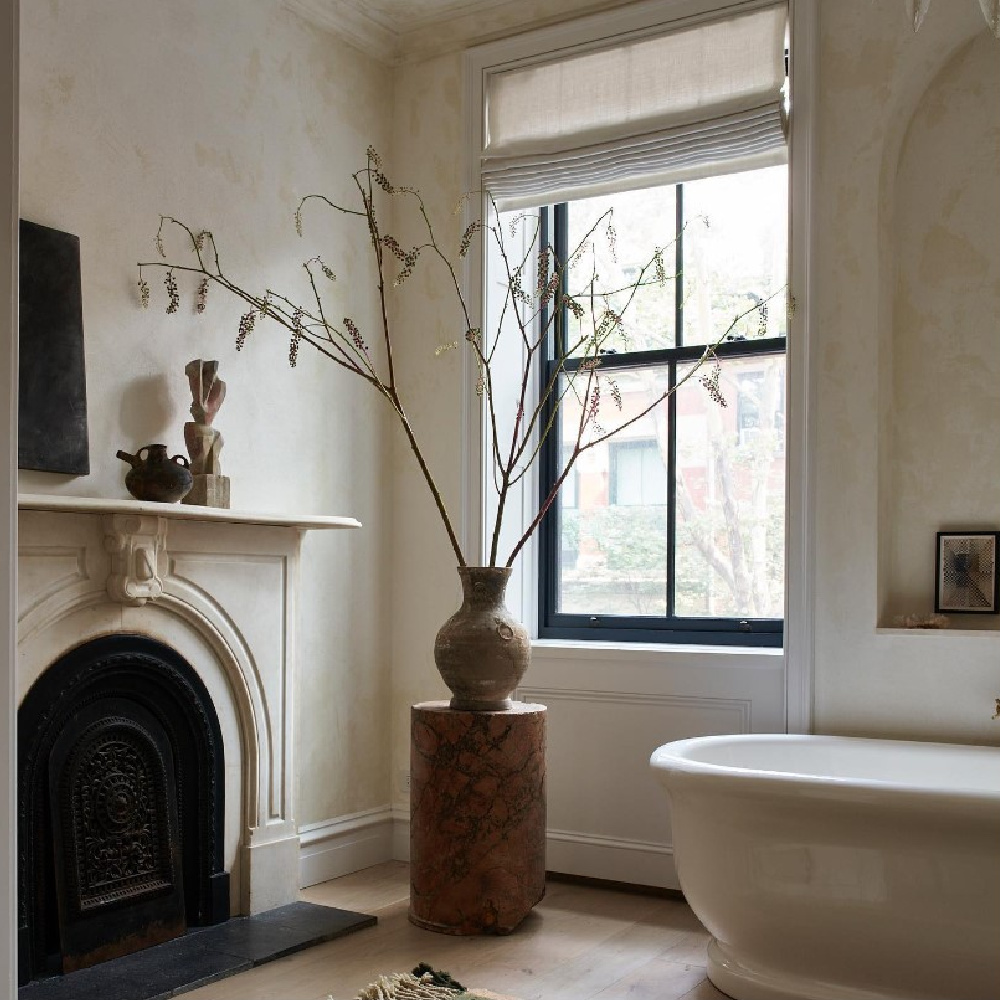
(156, 683)
(121, 805)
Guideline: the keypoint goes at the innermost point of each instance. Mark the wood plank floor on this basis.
(579, 943)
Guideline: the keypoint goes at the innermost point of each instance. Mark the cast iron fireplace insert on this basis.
(121, 797)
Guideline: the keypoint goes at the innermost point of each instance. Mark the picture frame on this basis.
(966, 580)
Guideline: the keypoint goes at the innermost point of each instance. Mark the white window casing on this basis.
(649, 19)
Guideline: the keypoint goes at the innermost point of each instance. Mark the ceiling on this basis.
(406, 30)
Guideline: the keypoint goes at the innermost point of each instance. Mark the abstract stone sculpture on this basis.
(204, 442)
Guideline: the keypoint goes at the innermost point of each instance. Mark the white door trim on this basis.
(8, 499)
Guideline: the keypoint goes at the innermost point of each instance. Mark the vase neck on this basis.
(484, 586)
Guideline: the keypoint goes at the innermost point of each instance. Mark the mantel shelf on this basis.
(181, 512)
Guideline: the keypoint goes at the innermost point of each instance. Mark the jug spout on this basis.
(132, 460)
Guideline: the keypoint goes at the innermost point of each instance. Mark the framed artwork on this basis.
(966, 572)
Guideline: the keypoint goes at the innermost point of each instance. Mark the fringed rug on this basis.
(424, 983)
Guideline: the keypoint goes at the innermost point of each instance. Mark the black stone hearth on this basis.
(202, 956)
(120, 806)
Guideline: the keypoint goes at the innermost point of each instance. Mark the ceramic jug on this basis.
(156, 477)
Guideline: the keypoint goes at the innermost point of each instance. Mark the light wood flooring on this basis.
(579, 943)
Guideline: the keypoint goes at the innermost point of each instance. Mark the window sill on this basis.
(566, 649)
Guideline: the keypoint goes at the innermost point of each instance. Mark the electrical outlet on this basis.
(404, 781)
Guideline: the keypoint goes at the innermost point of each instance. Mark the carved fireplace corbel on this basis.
(135, 543)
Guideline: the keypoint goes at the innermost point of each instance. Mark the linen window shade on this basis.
(701, 99)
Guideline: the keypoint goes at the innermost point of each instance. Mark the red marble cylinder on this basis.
(477, 817)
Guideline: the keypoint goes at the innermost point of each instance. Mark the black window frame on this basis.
(554, 624)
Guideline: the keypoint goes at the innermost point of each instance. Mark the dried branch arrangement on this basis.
(538, 309)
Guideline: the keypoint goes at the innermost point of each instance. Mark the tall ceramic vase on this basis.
(482, 651)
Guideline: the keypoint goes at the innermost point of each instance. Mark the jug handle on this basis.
(139, 453)
(181, 460)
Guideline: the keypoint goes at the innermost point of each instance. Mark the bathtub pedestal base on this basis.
(740, 982)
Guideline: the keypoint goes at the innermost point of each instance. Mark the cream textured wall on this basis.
(873, 74)
(224, 114)
(944, 446)
(427, 154)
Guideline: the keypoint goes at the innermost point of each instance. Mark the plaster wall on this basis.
(224, 114)
(428, 155)
(877, 494)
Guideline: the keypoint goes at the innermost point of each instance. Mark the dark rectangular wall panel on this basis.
(52, 411)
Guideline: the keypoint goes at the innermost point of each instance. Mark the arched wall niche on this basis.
(939, 315)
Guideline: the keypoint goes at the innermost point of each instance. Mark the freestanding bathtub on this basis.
(834, 868)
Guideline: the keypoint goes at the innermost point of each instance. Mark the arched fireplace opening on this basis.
(121, 797)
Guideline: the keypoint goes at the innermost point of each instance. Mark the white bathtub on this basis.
(831, 868)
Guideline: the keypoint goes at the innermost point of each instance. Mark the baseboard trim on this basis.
(611, 859)
(569, 852)
(400, 833)
(345, 844)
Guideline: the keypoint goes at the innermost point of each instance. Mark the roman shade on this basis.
(692, 100)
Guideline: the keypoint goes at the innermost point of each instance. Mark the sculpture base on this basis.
(477, 817)
(209, 491)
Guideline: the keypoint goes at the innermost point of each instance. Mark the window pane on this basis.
(735, 254)
(614, 539)
(638, 473)
(643, 221)
(731, 493)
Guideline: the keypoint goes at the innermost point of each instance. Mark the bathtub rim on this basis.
(678, 771)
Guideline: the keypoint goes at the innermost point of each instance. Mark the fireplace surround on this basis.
(156, 685)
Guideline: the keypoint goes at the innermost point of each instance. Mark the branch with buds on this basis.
(576, 327)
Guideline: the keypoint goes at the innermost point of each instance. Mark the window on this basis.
(674, 529)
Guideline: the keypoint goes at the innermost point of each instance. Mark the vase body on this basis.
(482, 651)
(155, 476)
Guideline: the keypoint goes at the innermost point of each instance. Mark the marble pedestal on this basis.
(477, 817)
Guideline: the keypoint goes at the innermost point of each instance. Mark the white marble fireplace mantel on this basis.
(180, 512)
(219, 587)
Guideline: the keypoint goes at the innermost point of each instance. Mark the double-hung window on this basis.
(673, 528)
